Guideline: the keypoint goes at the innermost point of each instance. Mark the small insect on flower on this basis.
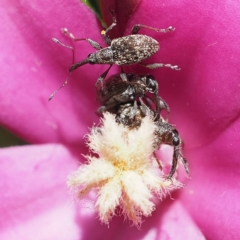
(131, 115)
(123, 174)
(121, 51)
(123, 88)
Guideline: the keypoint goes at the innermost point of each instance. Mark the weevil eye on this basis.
(151, 83)
(175, 138)
(175, 141)
(91, 58)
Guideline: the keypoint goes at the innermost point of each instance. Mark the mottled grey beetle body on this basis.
(126, 50)
(133, 49)
(131, 115)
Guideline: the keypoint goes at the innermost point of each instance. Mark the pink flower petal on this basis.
(169, 221)
(35, 203)
(212, 194)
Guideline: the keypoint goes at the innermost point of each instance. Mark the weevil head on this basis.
(92, 58)
(79, 64)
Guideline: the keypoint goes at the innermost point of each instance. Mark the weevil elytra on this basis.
(121, 51)
(122, 88)
(131, 114)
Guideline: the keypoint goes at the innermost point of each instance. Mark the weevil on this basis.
(131, 114)
(122, 88)
(121, 51)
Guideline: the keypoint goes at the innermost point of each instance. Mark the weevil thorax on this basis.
(133, 49)
(104, 56)
(92, 58)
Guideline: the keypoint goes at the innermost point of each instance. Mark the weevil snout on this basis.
(77, 65)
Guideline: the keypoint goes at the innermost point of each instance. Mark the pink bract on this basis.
(204, 100)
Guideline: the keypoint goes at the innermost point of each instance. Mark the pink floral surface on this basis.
(205, 106)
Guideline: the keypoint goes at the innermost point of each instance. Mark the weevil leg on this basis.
(160, 105)
(185, 163)
(148, 105)
(164, 105)
(149, 102)
(104, 32)
(90, 41)
(157, 102)
(157, 160)
(174, 162)
(137, 27)
(145, 109)
(73, 52)
(63, 85)
(134, 110)
(159, 65)
(102, 77)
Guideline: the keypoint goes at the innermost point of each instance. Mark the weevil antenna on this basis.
(64, 84)
(60, 43)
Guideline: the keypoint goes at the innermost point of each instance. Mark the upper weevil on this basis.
(121, 51)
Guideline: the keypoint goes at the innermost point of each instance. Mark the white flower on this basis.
(125, 174)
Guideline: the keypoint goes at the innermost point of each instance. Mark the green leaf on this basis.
(94, 5)
(8, 139)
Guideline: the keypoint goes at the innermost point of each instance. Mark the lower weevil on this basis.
(121, 51)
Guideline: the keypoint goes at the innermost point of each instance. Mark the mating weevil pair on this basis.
(120, 91)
